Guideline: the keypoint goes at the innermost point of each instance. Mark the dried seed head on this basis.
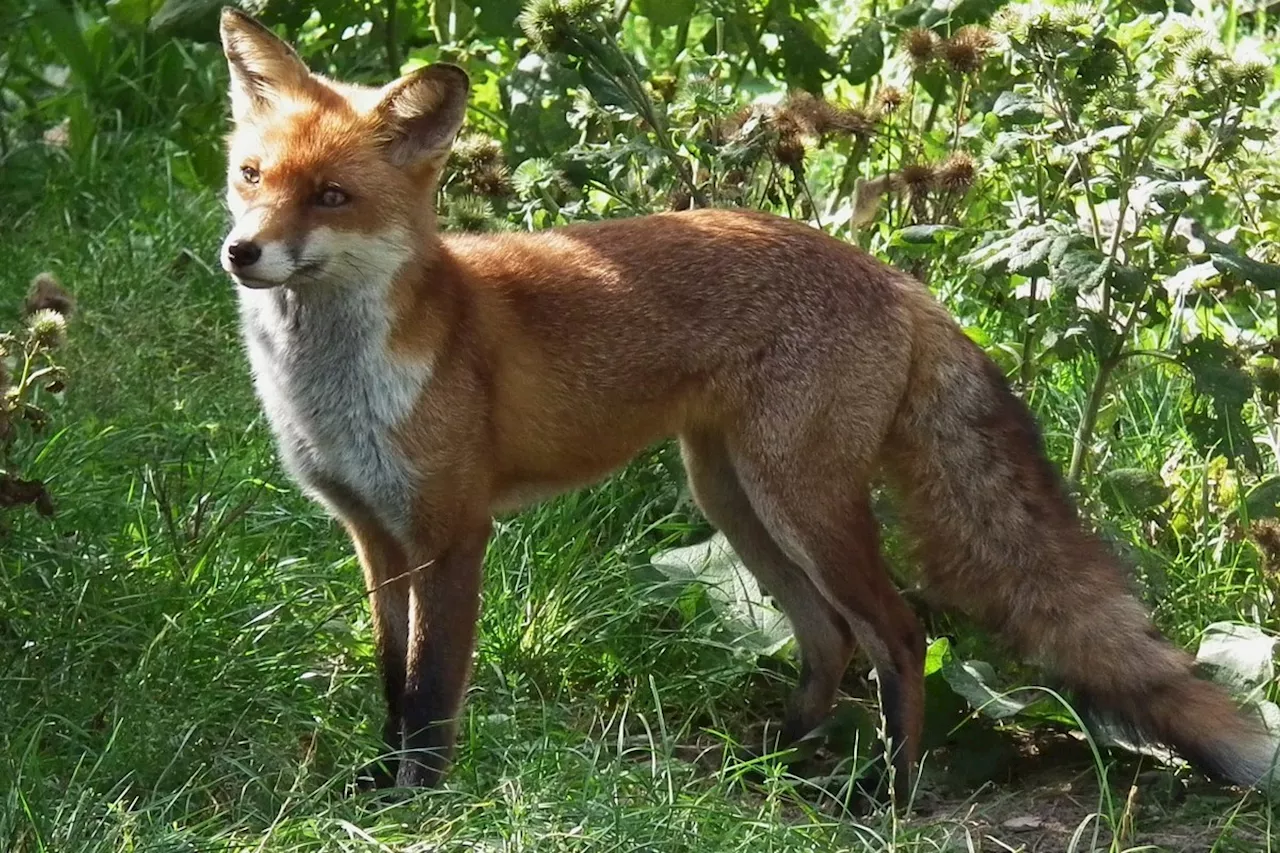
(917, 178)
(890, 98)
(1266, 535)
(679, 199)
(956, 174)
(800, 113)
(475, 150)
(47, 328)
(735, 122)
(966, 51)
(921, 45)
(47, 292)
(850, 122)
(789, 150)
(809, 116)
(493, 181)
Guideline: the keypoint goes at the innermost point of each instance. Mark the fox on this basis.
(420, 384)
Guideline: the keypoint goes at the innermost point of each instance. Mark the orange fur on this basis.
(793, 368)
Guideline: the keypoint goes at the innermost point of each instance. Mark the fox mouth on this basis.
(302, 273)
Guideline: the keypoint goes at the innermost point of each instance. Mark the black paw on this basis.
(376, 775)
(415, 773)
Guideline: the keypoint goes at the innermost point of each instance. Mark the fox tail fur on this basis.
(1000, 540)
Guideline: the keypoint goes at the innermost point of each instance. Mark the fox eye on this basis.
(333, 196)
(250, 174)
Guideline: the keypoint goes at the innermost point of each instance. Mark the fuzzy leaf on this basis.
(865, 55)
(731, 590)
(1014, 108)
(1099, 139)
(1263, 500)
(665, 13)
(1228, 259)
(1215, 414)
(922, 234)
(1135, 488)
(1024, 251)
(1238, 656)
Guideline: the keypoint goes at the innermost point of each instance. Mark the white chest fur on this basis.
(333, 393)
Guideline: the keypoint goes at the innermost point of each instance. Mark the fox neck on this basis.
(334, 391)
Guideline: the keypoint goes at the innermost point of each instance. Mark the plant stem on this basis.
(1084, 433)
(390, 40)
(1028, 334)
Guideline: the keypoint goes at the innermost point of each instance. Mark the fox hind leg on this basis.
(822, 634)
(817, 507)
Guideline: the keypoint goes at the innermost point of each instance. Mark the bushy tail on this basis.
(1001, 541)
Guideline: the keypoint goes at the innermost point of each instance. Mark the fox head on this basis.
(329, 182)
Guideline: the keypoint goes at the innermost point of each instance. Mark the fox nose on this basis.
(244, 253)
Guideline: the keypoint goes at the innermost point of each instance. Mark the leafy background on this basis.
(1092, 189)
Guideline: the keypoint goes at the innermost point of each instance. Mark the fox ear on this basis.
(261, 64)
(423, 111)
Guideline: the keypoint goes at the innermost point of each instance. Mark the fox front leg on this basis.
(444, 605)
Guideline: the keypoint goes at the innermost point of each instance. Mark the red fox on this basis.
(418, 384)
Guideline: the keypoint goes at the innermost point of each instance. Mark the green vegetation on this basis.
(185, 655)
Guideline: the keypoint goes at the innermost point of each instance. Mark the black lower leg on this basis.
(381, 772)
(891, 750)
(427, 737)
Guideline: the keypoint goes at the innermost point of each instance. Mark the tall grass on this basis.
(187, 661)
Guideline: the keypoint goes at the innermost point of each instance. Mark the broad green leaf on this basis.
(732, 591)
(1024, 251)
(187, 16)
(1015, 108)
(132, 13)
(1263, 500)
(1079, 266)
(498, 17)
(922, 234)
(1135, 488)
(452, 20)
(1228, 259)
(1099, 139)
(665, 13)
(1238, 657)
(1215, 412)
(803, 46)
(865, 55)
(65, 33)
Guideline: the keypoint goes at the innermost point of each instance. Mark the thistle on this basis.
(1189, 135)
(47, 328)
(918, 178)
(921, 46)
(469, 213)
(956, 174)
(966, 51)
(535, 175)
(890, 98)
(546, 23)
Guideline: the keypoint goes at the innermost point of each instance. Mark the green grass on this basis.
(187, 661)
